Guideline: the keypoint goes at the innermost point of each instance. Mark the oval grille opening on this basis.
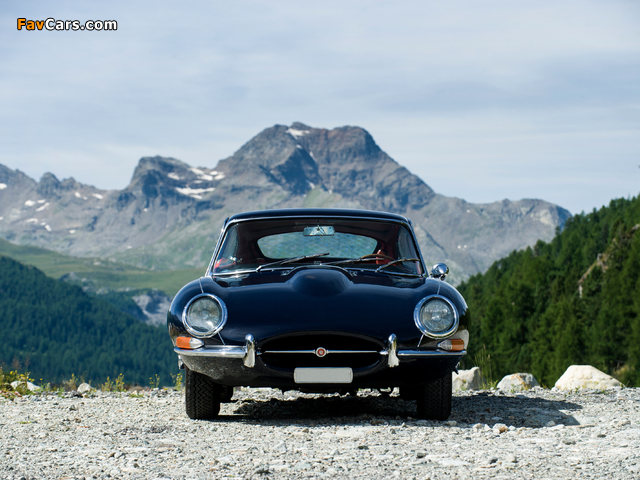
(362, 352)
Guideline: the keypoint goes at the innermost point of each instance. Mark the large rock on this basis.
(30, 386)
(467, 379)
(516, 382)
(585, 376)
(84, 388)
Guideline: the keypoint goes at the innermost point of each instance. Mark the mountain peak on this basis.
(165, 165)
(169, 178)
(48, 185)
(170, 213)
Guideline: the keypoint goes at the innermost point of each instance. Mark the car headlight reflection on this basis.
(436, 316)
(204, 315)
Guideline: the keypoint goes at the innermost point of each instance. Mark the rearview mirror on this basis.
(319, 231)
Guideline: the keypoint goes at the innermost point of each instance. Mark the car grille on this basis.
(299, 351)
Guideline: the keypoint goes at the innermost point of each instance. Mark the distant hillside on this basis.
(99, 274)
(575, 300)
(142, 293)
(59, 330)
(169, 216)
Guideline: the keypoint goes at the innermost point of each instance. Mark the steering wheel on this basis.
(378, 255)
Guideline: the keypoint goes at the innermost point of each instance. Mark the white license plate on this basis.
(323, 375)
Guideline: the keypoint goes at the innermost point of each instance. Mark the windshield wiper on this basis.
(291, 260)
(400, 260)
(357, 260)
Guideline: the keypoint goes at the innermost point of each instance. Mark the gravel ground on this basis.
(267, 434)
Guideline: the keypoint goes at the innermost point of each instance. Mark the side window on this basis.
(229, 250)
(406, 247)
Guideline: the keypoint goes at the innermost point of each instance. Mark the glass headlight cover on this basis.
(204, 315)
(436, 316)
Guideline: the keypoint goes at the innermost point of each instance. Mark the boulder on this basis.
(516, 382)
(585, 376)
(84, 388)
(30, 386)
(467, 379)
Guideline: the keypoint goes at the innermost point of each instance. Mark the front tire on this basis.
(202, 396)
(434, 399)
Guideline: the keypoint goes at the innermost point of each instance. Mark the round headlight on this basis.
(436, 316)
(204, 315)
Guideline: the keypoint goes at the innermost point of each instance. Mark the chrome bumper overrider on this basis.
(248, 352)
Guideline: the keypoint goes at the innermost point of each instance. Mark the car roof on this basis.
(318, 212)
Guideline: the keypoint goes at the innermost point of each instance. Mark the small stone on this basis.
(280, 447)
(261, 470)
(452, 462)
(511, 458)
(537, 421)
(363, 447)
(421, 454)
(500, 428)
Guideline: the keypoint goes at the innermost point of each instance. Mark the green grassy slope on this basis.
(575, 300)
(59, 330)
(102, 273)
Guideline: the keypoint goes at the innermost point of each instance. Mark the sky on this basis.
(483, 100)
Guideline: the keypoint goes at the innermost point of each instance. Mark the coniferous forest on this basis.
(54, 329)
(575, 300)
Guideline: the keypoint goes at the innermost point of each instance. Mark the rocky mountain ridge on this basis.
(170, 214)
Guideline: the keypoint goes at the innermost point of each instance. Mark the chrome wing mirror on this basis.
(440, 270)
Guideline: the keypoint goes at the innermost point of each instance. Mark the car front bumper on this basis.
(242, 365)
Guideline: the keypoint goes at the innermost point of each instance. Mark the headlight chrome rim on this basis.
(197, 333)
(450, 331)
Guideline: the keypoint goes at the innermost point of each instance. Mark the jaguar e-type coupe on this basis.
(322, 301)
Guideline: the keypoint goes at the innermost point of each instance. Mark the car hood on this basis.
(318, 299)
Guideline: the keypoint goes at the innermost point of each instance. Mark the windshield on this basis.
(287, 243)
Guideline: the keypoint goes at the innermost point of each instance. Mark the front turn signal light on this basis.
(188, 343)
(452, 345)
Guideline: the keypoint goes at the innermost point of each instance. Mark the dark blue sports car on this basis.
(322, 301)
